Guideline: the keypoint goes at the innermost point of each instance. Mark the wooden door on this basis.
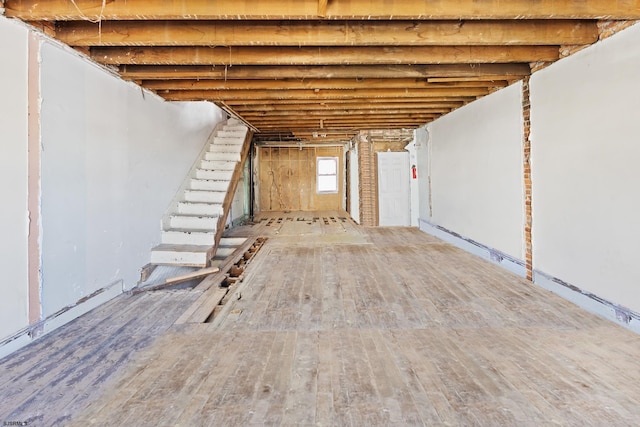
(394, 197)
(287, 179)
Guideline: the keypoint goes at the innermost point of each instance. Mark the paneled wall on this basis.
(287, 179)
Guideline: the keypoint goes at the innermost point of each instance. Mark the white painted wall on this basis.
(421, 138)
(112, 159)
(476, 171)
(14, 216)
(414, 186)
(585, 169)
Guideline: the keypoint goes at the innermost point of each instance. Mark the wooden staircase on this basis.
(193, 224)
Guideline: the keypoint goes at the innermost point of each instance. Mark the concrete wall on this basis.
(14, 215)
(585, 155)
(476, 171)
(112, 159)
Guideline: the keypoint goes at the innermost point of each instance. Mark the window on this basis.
(327, 175)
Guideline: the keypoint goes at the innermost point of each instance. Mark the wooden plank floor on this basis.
(342, 325)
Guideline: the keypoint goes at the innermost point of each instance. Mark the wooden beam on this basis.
(278, 115)
(59, 10)
(267, 55)
(371, 100)
(327, 33)
(328, 106)
(148, 72)
(298, 94)
(338, 118)
(322, 8)
(215, 84)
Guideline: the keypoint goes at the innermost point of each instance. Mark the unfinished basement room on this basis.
(320, 213)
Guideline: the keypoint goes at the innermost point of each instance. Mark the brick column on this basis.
(367, 174)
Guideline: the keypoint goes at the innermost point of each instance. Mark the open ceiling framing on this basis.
(309, 69)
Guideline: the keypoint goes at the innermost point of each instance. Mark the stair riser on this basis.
(196, 184)
(193, 223)
(217, 165)
(228, 157)
(204, 196)
(179, 258)
(180, 238)
(208, 209)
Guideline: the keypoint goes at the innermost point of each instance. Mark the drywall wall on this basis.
(14, 215)
(585, 154)
(113, 157)
(421, 138)
(476, 171)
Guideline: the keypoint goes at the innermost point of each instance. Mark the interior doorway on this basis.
(394, 195)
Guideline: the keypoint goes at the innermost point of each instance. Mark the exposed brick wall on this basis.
(367, 174)
(609, 28)
(369, 143)
(526, 157)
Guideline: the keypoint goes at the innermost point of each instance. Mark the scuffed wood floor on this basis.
(340, 325)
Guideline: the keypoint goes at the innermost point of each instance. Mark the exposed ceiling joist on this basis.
(328, 94)
(149, 72)
(327, 33)
(269, 55)
(296, 67)
(282, 84)
(61, 10)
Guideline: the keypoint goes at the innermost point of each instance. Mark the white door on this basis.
(394, 197)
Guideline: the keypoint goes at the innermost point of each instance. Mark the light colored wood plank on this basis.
(328, 33)
(56, 10)
(195, 275)
(247, 55)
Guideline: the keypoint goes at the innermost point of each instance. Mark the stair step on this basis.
(224, 140)
(232, 241)
(214, 175)
(195, 255)
(217, 165)
(233, 122)
(224, 147)
(204, 196)
(223, 156)
(187, 237)
(193, 222)
(191, 208)
(237, 127)
(224, 252)
(234, 133)
(209, 185)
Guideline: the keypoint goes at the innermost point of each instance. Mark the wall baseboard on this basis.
(507, 262)
(583, 299)
(36, 330)
(588, 301)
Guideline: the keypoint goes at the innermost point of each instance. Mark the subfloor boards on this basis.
(343, 325)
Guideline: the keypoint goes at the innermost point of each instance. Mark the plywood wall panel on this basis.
(287, 179)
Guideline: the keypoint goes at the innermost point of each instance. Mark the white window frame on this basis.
(321, 178)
